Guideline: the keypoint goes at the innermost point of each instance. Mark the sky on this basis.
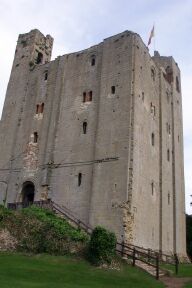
(78, 24)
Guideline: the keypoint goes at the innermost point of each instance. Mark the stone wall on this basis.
(92, 130)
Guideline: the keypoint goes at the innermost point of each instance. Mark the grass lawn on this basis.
(189, 285)
(22, 271)
(185, 270)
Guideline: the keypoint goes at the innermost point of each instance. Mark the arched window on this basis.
(84, 127)
(93, 60)
(79, 179)
(39, 58)
(46, 75)
(41, 108)
(28, 193)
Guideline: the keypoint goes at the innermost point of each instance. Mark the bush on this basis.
(102, 246)
(4, 212)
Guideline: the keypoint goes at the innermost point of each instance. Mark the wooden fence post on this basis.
(176, 264)
(122, 248)
(148, 255)
(134, 256)
(157, 266)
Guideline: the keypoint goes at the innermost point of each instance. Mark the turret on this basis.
(33, 49)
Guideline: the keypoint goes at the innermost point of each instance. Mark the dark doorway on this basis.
(28, 193)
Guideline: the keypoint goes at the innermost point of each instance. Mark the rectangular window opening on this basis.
(112, 89)
(168, 155)
(84, 96)
(35, 137)
(152, 187)
(87, 97)
(79, 179)
(85, 127)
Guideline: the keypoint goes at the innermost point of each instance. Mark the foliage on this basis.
(102, 246)
(60, 225)
(21, 271)
(4, 212)
(189, 234)
(39, 230)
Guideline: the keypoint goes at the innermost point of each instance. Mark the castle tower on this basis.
(33, 49)
(100, 132)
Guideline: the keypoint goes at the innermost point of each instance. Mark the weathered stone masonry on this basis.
(100, 132)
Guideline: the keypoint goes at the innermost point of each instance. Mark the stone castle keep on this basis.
(99, 132)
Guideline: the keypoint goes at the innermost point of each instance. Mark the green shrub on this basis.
(101, 246)
(4, 212)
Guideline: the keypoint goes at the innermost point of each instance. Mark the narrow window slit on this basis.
(79, 179)
(84, 96)
(168, 198)
(37, 108)
(93, 61)
(84, 127)
(168, 155)
(46, 75)
(112, 89)
(152, 187)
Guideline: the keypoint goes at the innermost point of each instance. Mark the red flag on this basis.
(152, 34)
